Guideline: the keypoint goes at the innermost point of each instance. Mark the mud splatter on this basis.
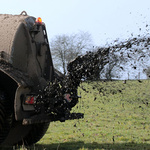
(133, 52)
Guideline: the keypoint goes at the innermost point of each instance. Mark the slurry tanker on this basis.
(32, 92)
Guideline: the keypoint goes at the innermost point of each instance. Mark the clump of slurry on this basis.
(133, 52)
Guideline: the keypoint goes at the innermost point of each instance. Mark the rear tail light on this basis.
(30, 100)
(67, 97)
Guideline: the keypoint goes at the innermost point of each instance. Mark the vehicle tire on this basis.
(25, 134)
(36, 132)
(6, 116)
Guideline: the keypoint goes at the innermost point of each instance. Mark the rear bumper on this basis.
(45, 118)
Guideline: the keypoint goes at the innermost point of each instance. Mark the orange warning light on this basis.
(38, 20)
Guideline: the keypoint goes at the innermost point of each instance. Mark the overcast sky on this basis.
(105, 20)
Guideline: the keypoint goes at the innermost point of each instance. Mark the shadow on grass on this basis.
(90, 146)
(84, 146)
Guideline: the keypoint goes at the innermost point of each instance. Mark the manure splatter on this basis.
(133, 52)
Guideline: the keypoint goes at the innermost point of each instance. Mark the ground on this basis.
(116, 117)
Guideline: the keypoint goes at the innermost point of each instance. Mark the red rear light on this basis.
(38, 20)
(67, 97)
(30, 100)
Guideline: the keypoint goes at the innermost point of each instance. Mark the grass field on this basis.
(116, 117)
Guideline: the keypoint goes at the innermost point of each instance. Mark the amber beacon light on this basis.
(38, 20)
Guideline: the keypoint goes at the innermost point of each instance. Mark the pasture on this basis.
(117, 116)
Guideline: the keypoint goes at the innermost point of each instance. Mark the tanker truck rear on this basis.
(29, 97)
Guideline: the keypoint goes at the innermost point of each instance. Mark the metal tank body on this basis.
(25, 68)
(24, 45)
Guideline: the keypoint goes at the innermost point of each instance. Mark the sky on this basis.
(105, 20)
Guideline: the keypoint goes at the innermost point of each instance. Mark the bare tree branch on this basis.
(65, 48)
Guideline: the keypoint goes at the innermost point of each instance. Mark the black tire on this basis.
(6, 116)
(14, 133)
(36, 132)
(25, 134)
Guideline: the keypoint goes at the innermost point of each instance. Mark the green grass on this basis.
(117, 116)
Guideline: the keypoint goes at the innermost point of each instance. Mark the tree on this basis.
(147, 72)
(65, 48)
(129, 56)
